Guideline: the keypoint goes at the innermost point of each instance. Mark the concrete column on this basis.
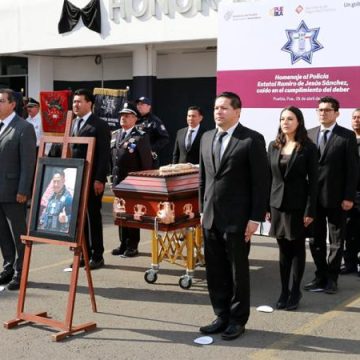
(144, 71)
(41, 75)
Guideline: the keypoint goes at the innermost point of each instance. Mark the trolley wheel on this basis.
(150, 276)
(185, 282)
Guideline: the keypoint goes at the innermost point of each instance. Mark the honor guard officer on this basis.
(130, 152)
(153, 126)
(34, 118)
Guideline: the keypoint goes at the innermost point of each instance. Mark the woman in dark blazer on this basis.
(293, 161)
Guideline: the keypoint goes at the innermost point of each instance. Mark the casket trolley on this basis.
(166, 202)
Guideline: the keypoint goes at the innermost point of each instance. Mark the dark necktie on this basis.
(323, 141)
(217, 150)
(123, 136)
(78, 127)
(188, 140)
(1, 125)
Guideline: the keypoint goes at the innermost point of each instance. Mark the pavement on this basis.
(137, 320)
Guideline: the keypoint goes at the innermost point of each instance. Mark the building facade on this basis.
(163, 49)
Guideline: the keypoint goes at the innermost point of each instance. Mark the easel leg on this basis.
(22, 291)
(72, 289)
(24, 277)
(88, 276)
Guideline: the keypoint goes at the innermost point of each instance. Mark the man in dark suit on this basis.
(352, 241)
(187, 143)
(131, 152)
(234, 185)
(88, 125)
(17, 159)
(338, 174)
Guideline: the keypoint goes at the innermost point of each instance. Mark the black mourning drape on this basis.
(90, 15)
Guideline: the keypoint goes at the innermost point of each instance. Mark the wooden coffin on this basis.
(168, 199)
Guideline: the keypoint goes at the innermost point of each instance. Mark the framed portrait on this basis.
(56, 198)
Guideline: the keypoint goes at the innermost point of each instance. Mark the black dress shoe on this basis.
(316, 285)
(331, 287)
(93, 264)
(283, 299)
(81, 264)
(232, 332)
(131, 252)
(293, 302)
(5, 277)
(118, 251)
(345, 270)
(14, 284)
(217, 326)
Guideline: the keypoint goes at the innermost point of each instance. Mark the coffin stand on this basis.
(167, 204)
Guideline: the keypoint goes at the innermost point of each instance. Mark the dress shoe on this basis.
(293, 301)
(331, 287)
(281, 303)
(217, 326)
(232, 332)
(5, 277)
(118, 251)
(316, 285)
(131, 252)
(93, 264)
(81, 264)
(345, 270)
(14, 284)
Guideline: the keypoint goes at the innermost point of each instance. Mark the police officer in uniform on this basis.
(153, 126)
(131, 151)
(56, 215)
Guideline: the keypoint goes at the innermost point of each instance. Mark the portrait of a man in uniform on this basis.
(56, 204)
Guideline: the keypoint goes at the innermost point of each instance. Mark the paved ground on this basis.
(136, 320)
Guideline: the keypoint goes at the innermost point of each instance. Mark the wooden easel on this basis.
(79, 247)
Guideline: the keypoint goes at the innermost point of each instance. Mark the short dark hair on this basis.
(10, 93)
(88, 95)
(60, 172)
(235, 100)
(329, 99)
(196, 108)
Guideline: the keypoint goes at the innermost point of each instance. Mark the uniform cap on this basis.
(129, 108)
(144, 100)
(32, 102)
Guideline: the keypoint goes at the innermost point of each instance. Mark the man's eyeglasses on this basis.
(324, 110)
(3, 100)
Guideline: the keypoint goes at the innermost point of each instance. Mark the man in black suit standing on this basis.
(234, 185)
(187, 143)
(338, 174)
(88, 125)
(17, 163)
(352, 241)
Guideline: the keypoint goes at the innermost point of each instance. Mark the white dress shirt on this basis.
(193, 135)
(7, 121)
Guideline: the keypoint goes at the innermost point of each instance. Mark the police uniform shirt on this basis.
(36, 123)
(154, 127)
